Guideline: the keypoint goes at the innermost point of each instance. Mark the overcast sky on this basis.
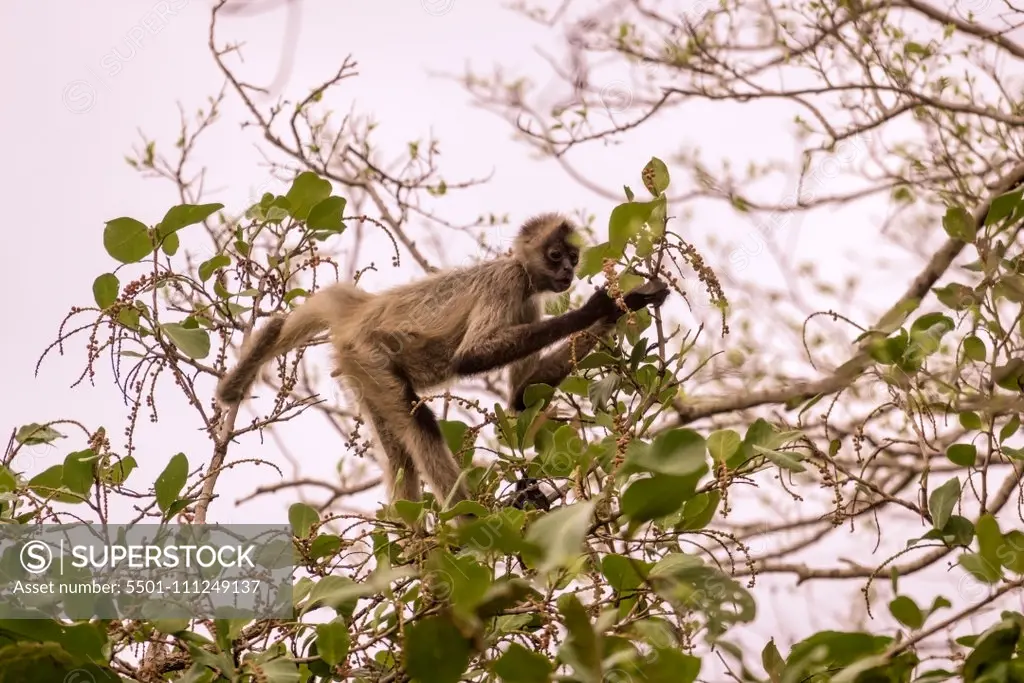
(81, 80)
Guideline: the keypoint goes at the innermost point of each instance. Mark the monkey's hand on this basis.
(653, 292)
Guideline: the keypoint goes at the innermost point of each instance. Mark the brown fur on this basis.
(452, 323)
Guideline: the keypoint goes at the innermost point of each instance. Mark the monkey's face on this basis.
(557, 260)
(549, 247)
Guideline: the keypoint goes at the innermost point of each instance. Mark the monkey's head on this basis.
(548, 247)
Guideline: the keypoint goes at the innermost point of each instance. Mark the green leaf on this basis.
(665, 665)
(209, 267)
(832, 650)
(170, 482)
(957, 296)
(939, 603)
(118, 472)
(170, 244)
(332, 641)
(655, 497)
(723, 444)
(699, 511)
(786, 460)
(942, 500)
(974, 349)
(990, 539)
(49, 484)
(1009, 376)
(581, 648)
(454, 432)
(302, 517)
(505, 594)
(129, 317)
(326, 215)
(906, 611)
(772, 662)
(625, 222)
(891, 349)
(8, 483)
(338, 593)
(461, 580)
(970, 420)
(79, 471)
(193, 342)
(24, 660)
(519, 665)
(685, 581)
(341, 593)
(499, 533)
(962, 454)
(959, 224)
(912, 48)
(675, 453)
(278, 670)
(878, 668)
(184, 215)
(105, 289)
(759, 433)
(592, 259)
(410, 511)
(1009, 429)
(127, 240)
(655, 176)
(464, 507)
(307, 190)
(621, 572)
(435, 651)
(997, 644)
(324, 545)
(957, 531)
(34, 434)
(597, 359)
(539, 394)
(1012, 552)
(600, 392)
(1005, 205)
(557, 537)
(980, 568)
(928, 330)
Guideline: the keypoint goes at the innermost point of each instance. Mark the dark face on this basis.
(560, 259)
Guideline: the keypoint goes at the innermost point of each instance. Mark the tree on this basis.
(634, 572)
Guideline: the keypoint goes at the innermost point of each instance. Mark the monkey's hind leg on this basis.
(390, 396)
(400, 473)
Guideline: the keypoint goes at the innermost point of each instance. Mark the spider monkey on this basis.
(454, 323)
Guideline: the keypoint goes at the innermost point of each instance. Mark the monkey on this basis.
(450, 324)
(528, 493)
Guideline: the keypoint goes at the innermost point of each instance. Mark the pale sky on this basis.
(82, 78)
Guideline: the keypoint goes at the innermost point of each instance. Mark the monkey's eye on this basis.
(555, 255)
(574, 257)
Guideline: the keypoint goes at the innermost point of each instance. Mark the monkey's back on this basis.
(427, 320)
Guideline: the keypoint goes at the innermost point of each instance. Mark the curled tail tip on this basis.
(229, 394)
(232, 387)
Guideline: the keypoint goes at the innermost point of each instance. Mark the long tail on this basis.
(324, 310)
